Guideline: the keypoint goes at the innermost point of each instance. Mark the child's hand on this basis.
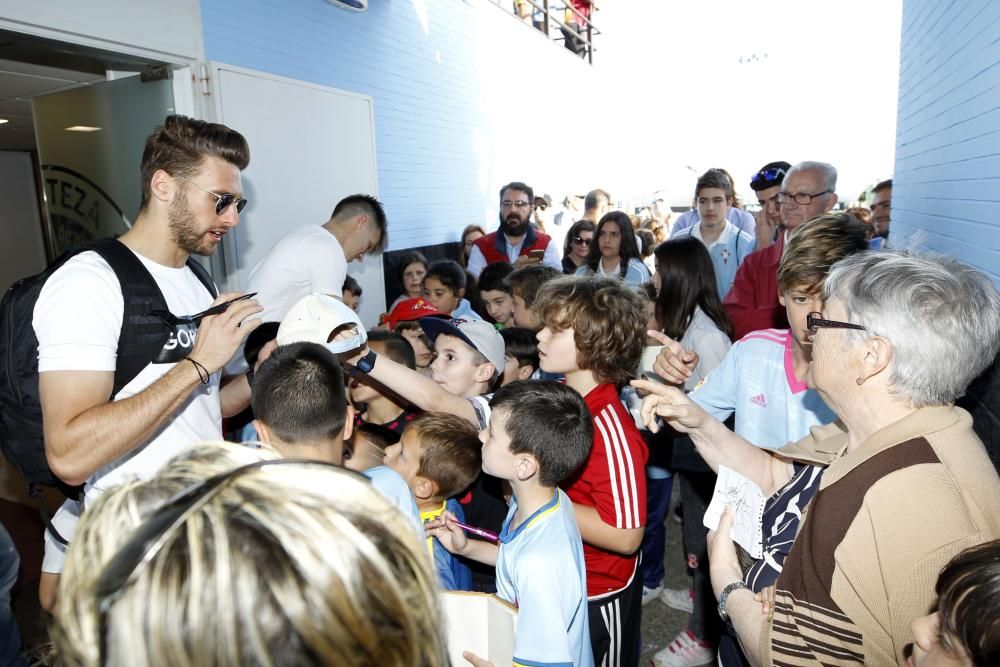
(766, 600)
(447, 533)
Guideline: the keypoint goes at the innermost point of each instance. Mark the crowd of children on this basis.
(499, 414)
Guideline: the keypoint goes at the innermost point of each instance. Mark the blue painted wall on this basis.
(458, 86)
(946, 191)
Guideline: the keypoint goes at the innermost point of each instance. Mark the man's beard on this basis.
(519, 228)
(184, 228)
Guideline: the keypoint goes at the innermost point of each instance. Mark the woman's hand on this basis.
(671, 404)
(723, 563)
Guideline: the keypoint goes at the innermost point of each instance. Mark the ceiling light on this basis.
(82, 128)
(3, 120)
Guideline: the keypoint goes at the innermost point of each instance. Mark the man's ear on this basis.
(360, 220)
(781, 298)
(526, 467)
(424, 488)
(525, 372)
(349, 422)
(263, 432)
(162, 186)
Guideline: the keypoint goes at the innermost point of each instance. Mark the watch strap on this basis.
(367, 362)
(735, 586)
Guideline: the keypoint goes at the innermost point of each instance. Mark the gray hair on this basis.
(941, 316)
(828, 171)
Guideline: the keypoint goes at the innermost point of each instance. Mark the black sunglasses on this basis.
(581, 241)
(767, 175)
(146, 541)
(815, 321)
(222, 200)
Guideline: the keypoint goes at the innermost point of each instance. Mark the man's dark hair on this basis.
(449, 273)
(493, 277)
(299, 394)
(525, 282)
(714, 178)
(394, 346)
(351, 285)
(594, 199)
(548, 420)
(522, 345)
(521, 187)
(179, 145)
(353, 205)
(882, 185)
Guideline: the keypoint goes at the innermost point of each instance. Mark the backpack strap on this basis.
(203, 275)
(142, 335)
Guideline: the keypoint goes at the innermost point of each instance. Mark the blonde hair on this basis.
(288, 564)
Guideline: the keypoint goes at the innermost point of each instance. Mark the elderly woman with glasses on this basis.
(899, 485)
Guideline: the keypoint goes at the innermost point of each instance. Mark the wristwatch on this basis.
(735, 586)
(367, 362)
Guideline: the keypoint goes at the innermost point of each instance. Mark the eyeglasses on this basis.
(815, 321)
(767, 175)
(150, 537)
(800, 198)
(577, 240)
(541, 207)
(520, 203)
(222, 201)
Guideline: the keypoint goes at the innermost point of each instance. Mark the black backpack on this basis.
(142, 337)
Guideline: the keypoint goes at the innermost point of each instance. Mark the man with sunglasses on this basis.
(807, 191)
(97, 433)
(314, 258)
(516, 240)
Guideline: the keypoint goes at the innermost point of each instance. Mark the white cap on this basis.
(315, 318)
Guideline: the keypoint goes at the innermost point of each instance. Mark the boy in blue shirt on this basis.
(539, 433)
(439, 457)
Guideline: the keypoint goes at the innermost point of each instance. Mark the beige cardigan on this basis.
(887, 517)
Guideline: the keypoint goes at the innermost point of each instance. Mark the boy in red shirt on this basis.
(593, 333)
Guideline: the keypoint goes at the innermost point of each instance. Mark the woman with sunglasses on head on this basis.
(227, 557)
(578, 240)
(616, 251)
(900, 483)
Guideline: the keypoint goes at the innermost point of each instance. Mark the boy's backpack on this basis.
(982, 400)
(142, 337)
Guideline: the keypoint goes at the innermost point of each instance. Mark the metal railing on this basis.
(577, 31)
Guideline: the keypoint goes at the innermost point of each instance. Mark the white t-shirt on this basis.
(308, 260)
(78, 318)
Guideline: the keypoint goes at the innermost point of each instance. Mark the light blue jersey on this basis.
(540, 570)
(727, 252)
(756, 380)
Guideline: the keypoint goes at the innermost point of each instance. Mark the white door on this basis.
(310, 146)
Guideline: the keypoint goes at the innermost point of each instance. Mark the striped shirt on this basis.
(612, 481)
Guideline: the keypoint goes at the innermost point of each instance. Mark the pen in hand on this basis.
(485, 534)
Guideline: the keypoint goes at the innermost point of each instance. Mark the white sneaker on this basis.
(650, 594)
(684, 651)
(678, 598)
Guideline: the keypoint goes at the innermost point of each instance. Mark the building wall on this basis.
(466, 98)
(946, 195)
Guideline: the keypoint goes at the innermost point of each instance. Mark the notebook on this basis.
(747, 501)
(481, 623)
